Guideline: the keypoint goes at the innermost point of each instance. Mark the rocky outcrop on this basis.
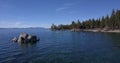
(25, 38)
(75, 30)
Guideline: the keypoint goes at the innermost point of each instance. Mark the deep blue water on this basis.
(60, 47)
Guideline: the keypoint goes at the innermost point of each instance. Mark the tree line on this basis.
(109, 21)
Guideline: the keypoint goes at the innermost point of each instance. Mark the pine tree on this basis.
(74, 24)
(112, 19)
(78, 24)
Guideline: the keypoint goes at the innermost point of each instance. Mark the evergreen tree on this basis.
(112, 19)
(78, 24)
(74, 25)
(53, 27)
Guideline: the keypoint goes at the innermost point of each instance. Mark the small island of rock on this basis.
(25, 38)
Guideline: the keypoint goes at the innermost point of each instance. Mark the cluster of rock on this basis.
(25, 38)
(75, 30)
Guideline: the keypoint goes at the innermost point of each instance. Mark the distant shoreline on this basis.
(110, 31)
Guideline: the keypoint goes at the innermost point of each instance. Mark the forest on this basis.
(109, 21)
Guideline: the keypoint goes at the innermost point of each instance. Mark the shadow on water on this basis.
(28, 43)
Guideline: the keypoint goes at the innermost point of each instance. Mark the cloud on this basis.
(66, 6)
(61, 8)
(21, 24)
(6, 24)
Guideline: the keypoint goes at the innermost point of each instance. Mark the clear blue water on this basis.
(60, 47)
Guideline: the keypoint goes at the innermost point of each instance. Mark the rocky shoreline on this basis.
(96, 30)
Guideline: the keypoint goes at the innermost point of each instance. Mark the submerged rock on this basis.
(15, 39)
(25, 38)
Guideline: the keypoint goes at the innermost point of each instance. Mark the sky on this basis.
(44, 13)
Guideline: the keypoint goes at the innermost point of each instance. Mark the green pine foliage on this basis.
(111, 22)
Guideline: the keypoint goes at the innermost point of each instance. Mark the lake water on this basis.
(60, 47)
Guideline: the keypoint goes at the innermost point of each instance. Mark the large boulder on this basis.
(25, 38)
(23, 35)
(32, 38)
